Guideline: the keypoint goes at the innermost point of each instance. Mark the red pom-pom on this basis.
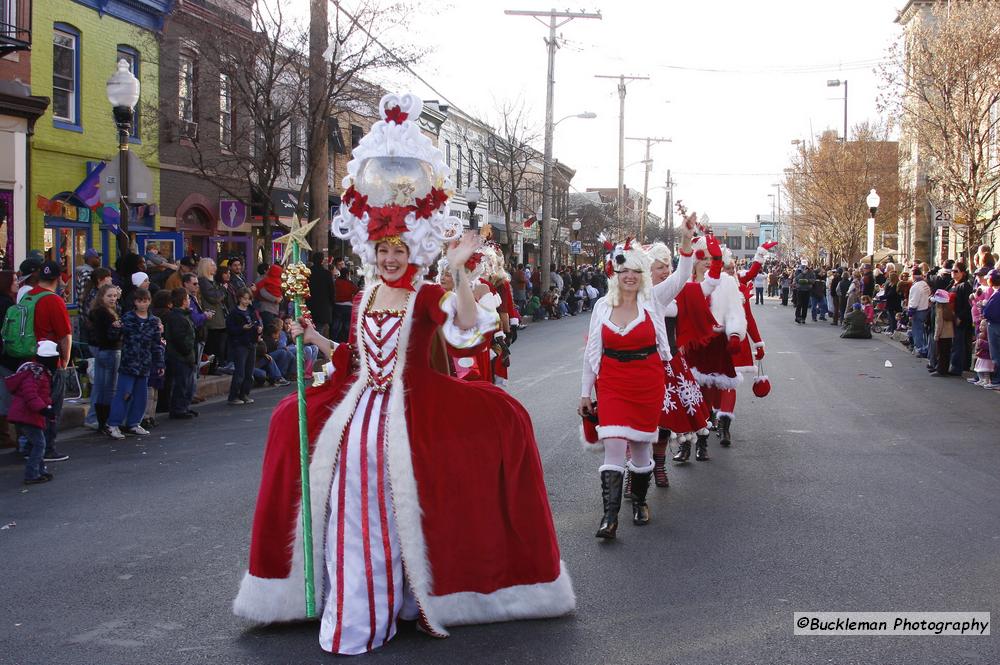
(761, 386)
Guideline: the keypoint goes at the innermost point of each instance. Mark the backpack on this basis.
(19, 327)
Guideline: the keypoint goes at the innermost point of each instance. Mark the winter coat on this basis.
(804, 281)
(30, 389)
(320, 301)
(238, 335)
(142, 349)
(179, 333)
(103, 334)
(944, 320)
(856, 325)
(963, 303)
(213, 296)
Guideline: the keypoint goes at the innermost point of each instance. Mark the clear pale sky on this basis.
(731, 129)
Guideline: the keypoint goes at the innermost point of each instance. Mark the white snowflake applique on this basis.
(669, 403)
(689, 395)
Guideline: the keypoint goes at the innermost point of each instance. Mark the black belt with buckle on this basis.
(630, 354)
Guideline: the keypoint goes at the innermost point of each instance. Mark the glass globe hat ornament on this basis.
(123, 87)
(394, 180)
(397, 188)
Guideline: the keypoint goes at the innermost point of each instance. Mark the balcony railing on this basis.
(14, 36)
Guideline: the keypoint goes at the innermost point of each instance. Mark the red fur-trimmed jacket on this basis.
(30, 388)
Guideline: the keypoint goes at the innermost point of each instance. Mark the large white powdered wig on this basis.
(627, 255)
(397, 189)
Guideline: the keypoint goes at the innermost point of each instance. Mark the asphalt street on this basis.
(852, 487)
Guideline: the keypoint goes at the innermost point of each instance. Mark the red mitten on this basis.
(715, 251)
(769, 245)
(760, 353)
(733, 346)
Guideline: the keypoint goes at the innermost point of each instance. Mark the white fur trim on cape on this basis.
(715, 380)
(526, 601)
(627, 433)
(727, 306)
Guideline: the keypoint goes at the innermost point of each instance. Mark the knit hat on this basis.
(138, 278)
(856, 305)
(47, 349)
(941, 296)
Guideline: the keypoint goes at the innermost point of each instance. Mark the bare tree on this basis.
(827, 186)
(511, 167)
(273, 129)
(943, 81)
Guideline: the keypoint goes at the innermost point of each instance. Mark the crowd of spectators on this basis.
(950, 314)
(572, 290)
(147, 330)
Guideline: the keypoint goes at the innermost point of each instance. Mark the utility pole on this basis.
(545, 256)
(668, 214)
(621, 138)
(650, 140)
(319, 104)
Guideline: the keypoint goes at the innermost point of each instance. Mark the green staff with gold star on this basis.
(295, 284)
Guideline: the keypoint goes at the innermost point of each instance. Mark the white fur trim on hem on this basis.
(266, 600)
(526, 601)
(717, 380)
(628, 433)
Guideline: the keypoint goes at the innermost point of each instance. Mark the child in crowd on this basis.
(984, 363)
(243, 328)
(160, 308)
(944, 330)
(866, 305)
(142, 355)
(284, 343)
(30, 388)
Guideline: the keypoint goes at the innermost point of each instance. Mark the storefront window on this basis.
(66, 245)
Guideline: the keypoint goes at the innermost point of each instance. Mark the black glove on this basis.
(48, 412)
(502, 350)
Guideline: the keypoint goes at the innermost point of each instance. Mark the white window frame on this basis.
(186, 104)
(74, 112)
(225, 111)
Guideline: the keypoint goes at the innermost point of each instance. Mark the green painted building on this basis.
(77, 45)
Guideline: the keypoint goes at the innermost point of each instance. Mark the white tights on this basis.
(640, 453)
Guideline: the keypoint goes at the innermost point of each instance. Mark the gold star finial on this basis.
(297, 234)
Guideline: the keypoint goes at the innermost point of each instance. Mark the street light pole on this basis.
(835, 83)
(650, 140)
(552, 44)
(472, 196)
(123, 93)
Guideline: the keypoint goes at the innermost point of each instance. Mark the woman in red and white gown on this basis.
(689, 323)
(400, 443)
(623, 360)
(427, 493)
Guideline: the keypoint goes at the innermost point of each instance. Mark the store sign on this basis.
(232, 212)
(576, 247)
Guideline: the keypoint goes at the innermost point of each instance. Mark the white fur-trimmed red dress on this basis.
(689, 324)
(630, 393)
(711, 363)
(388, 542)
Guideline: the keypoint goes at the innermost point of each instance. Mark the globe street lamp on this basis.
(576, 238)
(472, 196)
(123, 93)
(872, 200)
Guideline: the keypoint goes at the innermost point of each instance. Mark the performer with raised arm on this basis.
(428, 491)
(626, 347)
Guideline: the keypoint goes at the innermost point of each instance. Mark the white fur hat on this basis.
(658, 252)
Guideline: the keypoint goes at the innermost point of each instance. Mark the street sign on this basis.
(941, 216)
(232, 212)
(576, 247)
(140, 181)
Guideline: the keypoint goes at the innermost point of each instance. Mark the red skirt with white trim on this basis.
(684, 408)
(712, 365)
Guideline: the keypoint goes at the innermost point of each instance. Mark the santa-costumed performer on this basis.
(752, 348)
(626, 347)
(496, 275)
(428, 490)
(689, 323)
(469, 364)
(712, 363)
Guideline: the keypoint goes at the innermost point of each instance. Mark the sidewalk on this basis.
(75, 410)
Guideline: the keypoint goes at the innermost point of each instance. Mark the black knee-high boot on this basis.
(611, 493)
(640, 485)
(701, 448)
(724, 424)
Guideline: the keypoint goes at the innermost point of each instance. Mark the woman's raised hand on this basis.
(460, 251)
